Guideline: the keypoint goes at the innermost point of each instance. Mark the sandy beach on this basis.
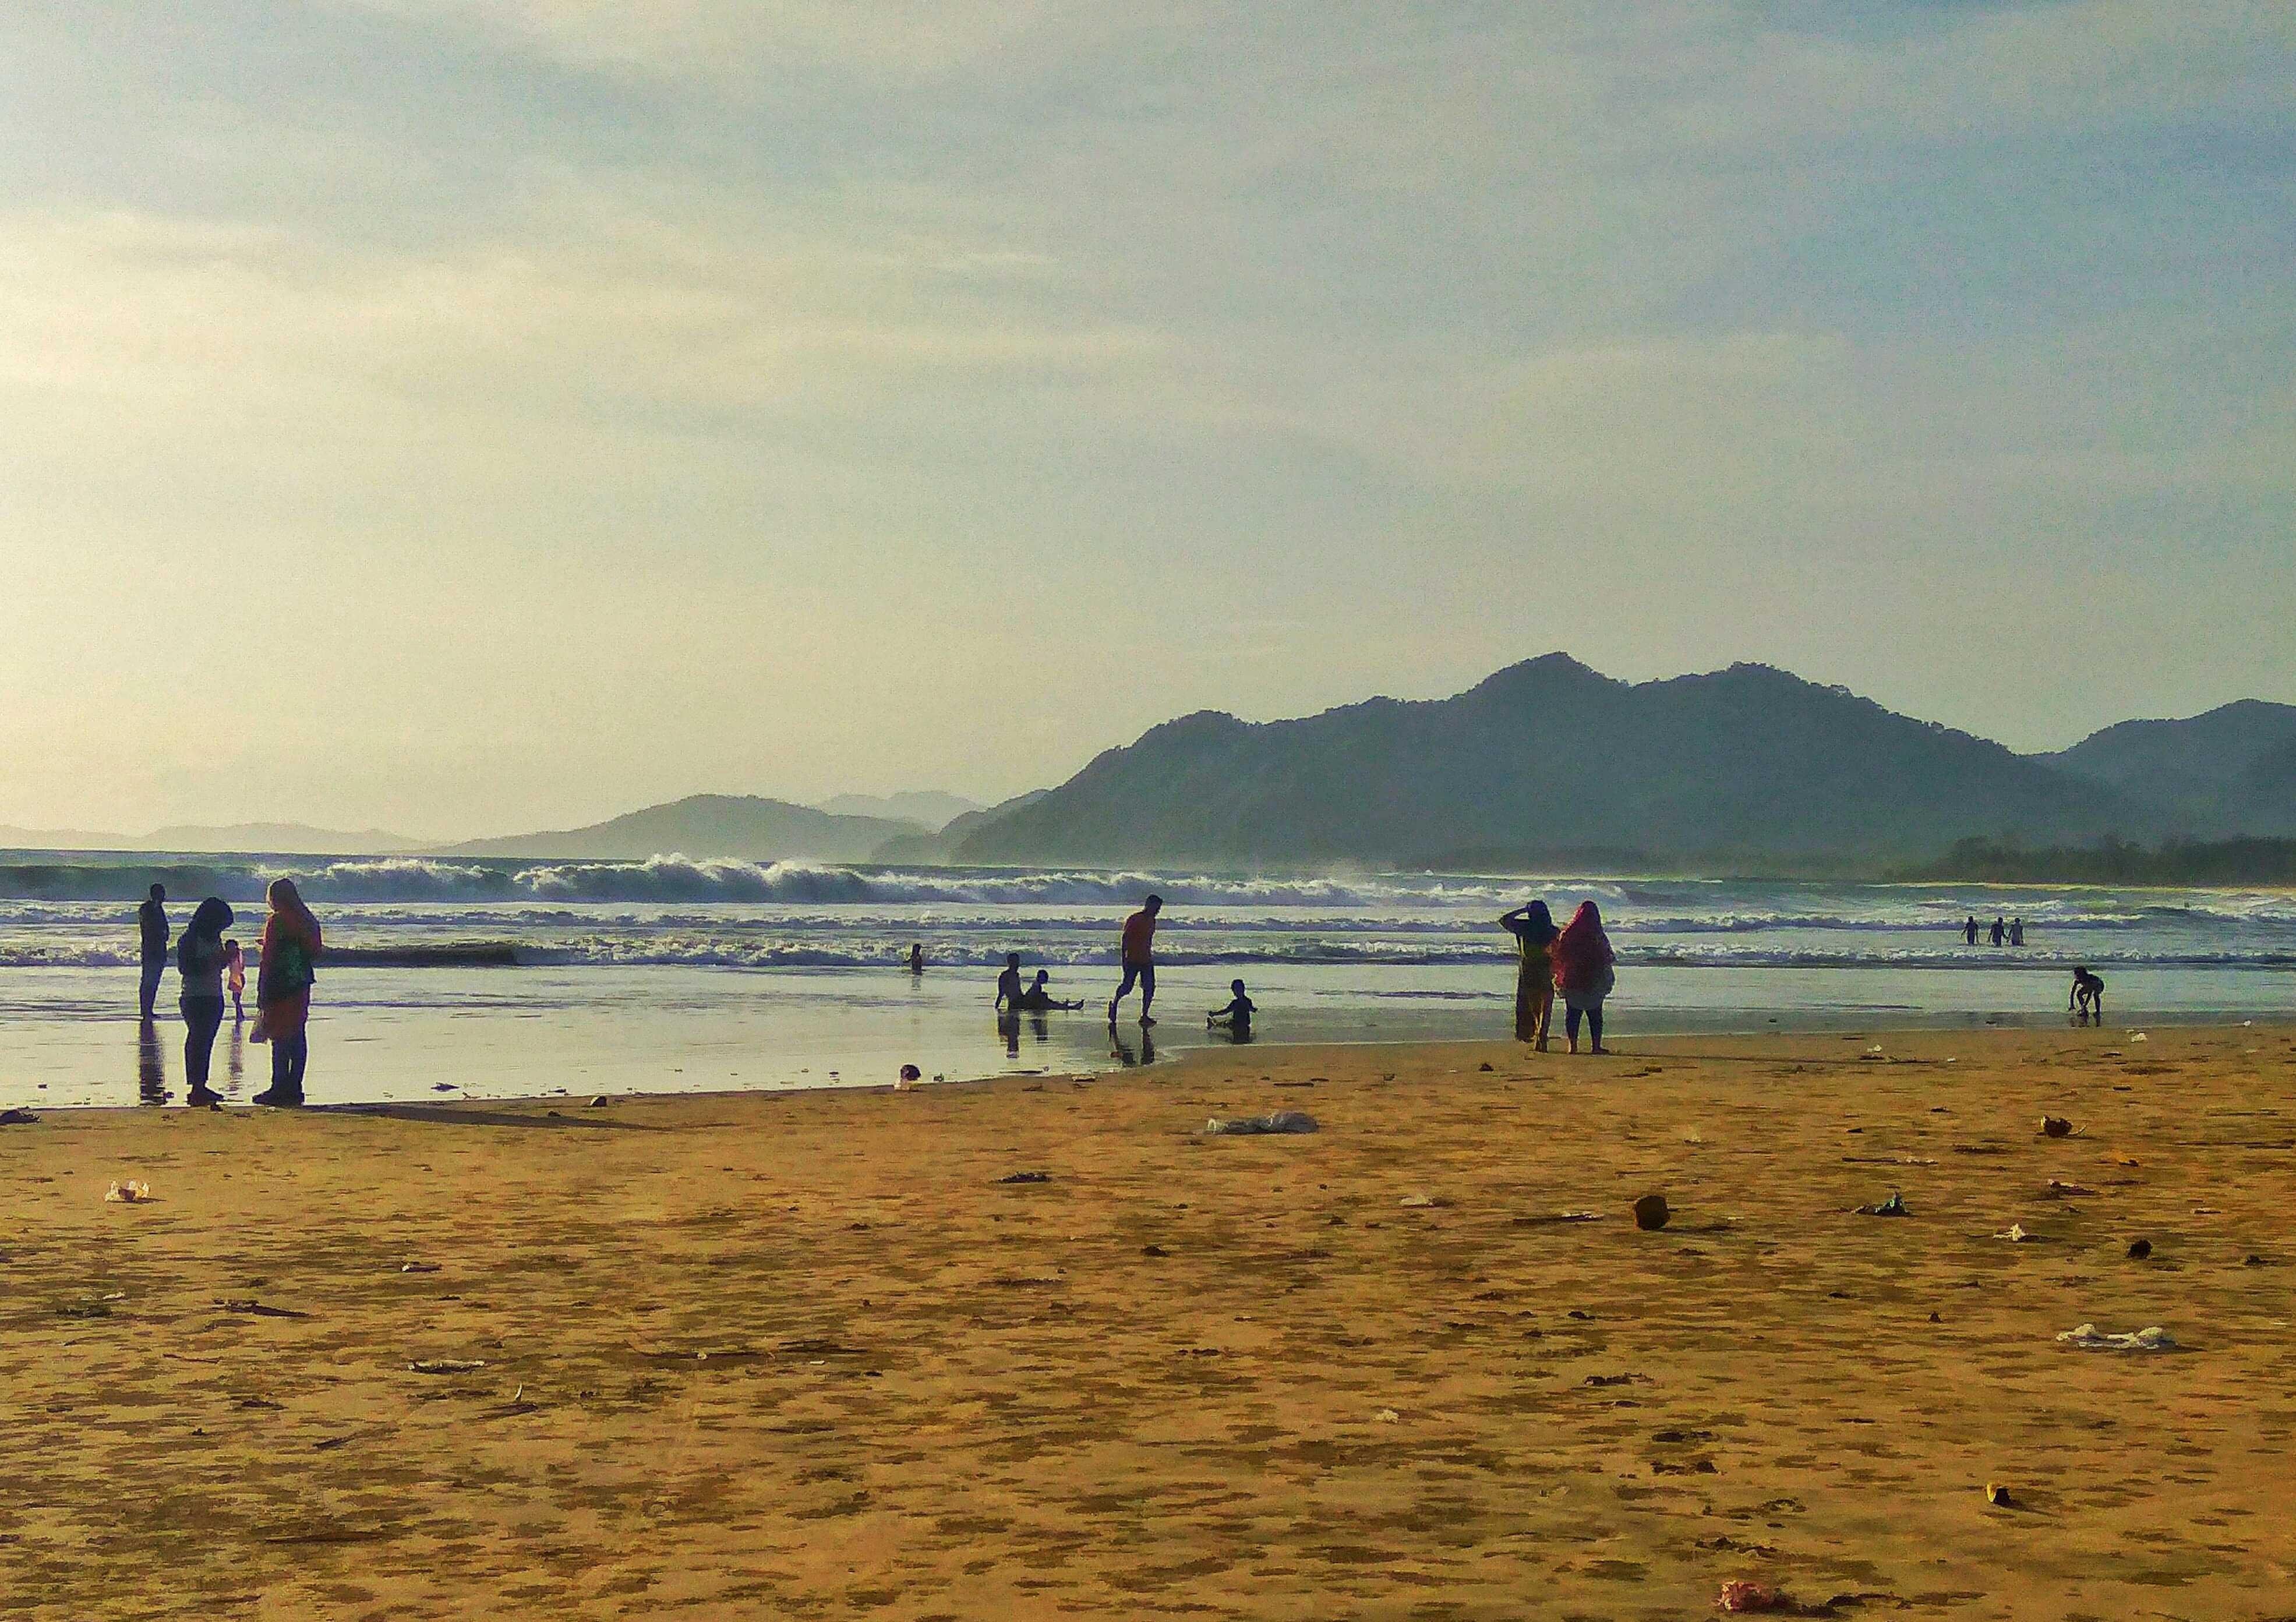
(810, 1354)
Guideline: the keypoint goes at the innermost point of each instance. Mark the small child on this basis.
(1237, 1015)
(234, 976)
(2088, 996)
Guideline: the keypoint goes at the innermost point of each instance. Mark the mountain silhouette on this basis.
(1550, 761)
(741, 826)
(2228, 773)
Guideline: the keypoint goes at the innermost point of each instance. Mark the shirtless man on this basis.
(1139, 959)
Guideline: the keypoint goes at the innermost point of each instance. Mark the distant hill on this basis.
(282, 838)
(2223, 862)
(1548, 761)
(929, 806)
(932, 849)
(742, 826)
(2230, 772)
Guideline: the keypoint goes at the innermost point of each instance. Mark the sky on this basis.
(464, 416)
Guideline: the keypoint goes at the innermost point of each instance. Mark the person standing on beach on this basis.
(1139, 958)
(151, 919)
(1534, 931)
(1008, 985)
(284, 975)
(1583, 974)
(235, 977)
(200, 960)
(1969, 929)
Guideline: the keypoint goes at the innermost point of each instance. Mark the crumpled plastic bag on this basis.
(128, 1191)
(1257, 1126)
(2090, 1337)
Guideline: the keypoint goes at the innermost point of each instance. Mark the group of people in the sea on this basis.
(2009, 934)
(212, 966)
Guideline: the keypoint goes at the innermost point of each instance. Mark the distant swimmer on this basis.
(917, 957)
(1139, 959)
(2088, 996)
(2016, 931)
(1969, 929)
(1236, 1019)
(1039, 999)
(2000, 931)
(1008, 985)
(151, 920)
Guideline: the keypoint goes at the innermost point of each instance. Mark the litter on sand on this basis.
(446, 1365)
(2055, 1126)
(18, 1118)
(1422, 1202)
(1259, 1125)
(1027, 1177)
(1652, 1212)
(2015, 1235)
(2090, 1337)
(1739, 1595)
(129, 1192)
(1894, 1206)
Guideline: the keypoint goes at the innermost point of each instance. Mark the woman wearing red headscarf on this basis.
(1583, 974)
(283, 974)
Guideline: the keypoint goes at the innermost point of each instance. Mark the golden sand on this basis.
(806, 1355)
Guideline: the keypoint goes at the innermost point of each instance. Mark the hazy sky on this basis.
(462, 415)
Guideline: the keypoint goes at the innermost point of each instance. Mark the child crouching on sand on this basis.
(1237, 1017)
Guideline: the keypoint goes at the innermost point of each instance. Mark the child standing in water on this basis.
(235, 977)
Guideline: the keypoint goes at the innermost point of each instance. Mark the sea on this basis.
(469, 977)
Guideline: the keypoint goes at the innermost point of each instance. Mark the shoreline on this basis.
(1637, 1044)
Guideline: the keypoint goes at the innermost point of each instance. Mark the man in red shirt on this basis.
(1139, 958)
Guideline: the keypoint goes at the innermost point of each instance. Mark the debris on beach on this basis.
(2090, 1337)
(1998, 1495)
(418, 1266)
(1027, 1177)
(1261, 1125)
(598, 1102)
(1651, 1213)
(128, 1191)
(1739, 1595)
(1559, 1217)
(2016, 1234)
(446, 1365)
(1387, 1416)
(18, 1118)
(253, 1308)
(2140, 1249)
(2055, 1126)
(909, 1078)
(2068, 1191)
(1894, 1206)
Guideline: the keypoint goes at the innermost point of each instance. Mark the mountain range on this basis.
(1547, 763)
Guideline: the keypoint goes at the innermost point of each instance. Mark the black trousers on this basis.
(289, 1055)
(202, 1018)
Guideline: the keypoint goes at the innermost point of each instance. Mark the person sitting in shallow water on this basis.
(1039, 999)
(2088, 996)
(1237, 1017)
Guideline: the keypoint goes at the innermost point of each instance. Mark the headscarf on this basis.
(289, 915)
(1537, 925)
(1582, 951)
(212, 918)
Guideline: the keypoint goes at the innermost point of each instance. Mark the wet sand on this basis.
(805, 1354)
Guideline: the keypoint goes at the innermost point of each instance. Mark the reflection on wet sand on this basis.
(150, 1069)
(234, 1057)
(1122, 1052)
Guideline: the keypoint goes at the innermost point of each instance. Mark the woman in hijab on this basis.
(283, 974)
(1534, 931)
(1583, 974)
(200, 960)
